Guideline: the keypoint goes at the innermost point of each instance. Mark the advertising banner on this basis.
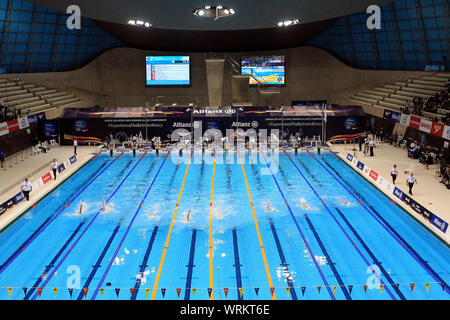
(3, 129)
(414, 122)
(373, 175)
(47, 178)
(446, 133)
(360, 165)
(13, 126)
(439, 223)
(425, 125)
(404, 120)
(23, 123)
(396, 116)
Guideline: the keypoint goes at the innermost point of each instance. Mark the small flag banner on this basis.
(55, 291)
(272, 290)
(381, 288)
(117, 291)
(319, 288)
(303, 291)
(194, 291)
(365, 288)
(412, 286)
(85, 290)
(10, 289)
(241, 291)
(132, 291)
(209, 292)
(334, 290)
(350, 288)
(25, 290)
(288, 290)
(40, 291)
(226, 292)
(178, 292)
(102, 291)
(71, 292)
(256, 291)
(427, 286)
(147, 291)
(163, 291)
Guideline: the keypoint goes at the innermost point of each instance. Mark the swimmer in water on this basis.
(104, 206)
(344, 202)
(188, 214)
(304, 206)
(268, 208)
(80, 211)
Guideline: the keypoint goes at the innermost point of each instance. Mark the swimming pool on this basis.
(305, 227)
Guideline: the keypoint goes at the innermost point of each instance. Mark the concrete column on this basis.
(214, 75)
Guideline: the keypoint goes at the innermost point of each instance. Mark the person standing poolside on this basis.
(27, 187)
(394, 173)
(75, 145)
(2, 158)
(54, 166)
(410, 181)
(371, 145)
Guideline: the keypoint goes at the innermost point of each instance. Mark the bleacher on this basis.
(394, 96)
(21, 98)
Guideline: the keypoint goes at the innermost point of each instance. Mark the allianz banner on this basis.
(417, 207)
(439, 223)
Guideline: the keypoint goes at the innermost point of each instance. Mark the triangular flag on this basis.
(226, 291)
(85, 290)
(303, 291)
(443, 286)
(334, 290)
(132, 291)
(288, 290)
(412, 286)
(350, 288)
(365, 288)
(25, 290)
(55, 291)
(70, 292)
(178, 292)
(318, 288)
(102, 290)
(10, 291)
(194, 290)
(147, 290)
(209, 292)
(39, 291)
(272, 290)
(381, 288)
(117, 292)
(427, 285)
(163, 291)
(397, 285)
(241, 291)
(256, 291)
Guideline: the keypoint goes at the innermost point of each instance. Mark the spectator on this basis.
(41, 147)
(27, 187)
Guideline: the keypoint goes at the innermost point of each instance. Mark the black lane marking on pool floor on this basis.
(319, 241)
(190, 266)
(97, 265)
(144, 265)
(52, 263)
(237, 265)
(374, 258)
(284, 265)
(424, 262)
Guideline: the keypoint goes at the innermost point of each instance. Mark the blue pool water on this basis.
(154, 242)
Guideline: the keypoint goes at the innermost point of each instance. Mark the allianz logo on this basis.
(440, 224)
(253, 124)
(181, 125)
(218, 111)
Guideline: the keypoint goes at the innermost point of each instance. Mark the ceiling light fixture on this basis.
(139, 23)
(287, 23)
(214, 12)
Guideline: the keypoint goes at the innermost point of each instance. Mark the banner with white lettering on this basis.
(4, 129)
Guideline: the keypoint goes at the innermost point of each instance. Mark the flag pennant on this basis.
(288, 290)
(412, 286)
(132, 292)
(163, 291)
(194, 290)
(443, 286)
(256, 291)
(102, 291)
(381, 288)
(39, 291)
(226, 292)
(427, 286)
(334, 290)
(397, 285)
(147, 290)
(209, 292)
(117, 292)
(350, 288)
(303, 291)
(55, 291)
(85, 290)
(241, 291)
(178, 292)
(25, 290)
(319, 288)
(365, 288)
(10, 291)
(71, 292)
(272, 290)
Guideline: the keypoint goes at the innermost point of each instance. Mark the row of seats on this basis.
(50, 145)
(24, 99)
(394, 96)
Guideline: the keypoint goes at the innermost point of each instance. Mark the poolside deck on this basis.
(428, 191)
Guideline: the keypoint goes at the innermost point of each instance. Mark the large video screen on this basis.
(266, 70)
(168, 71)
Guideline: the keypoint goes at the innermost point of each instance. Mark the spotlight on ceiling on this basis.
(287, 23)
(214, 12)
(139, 23)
